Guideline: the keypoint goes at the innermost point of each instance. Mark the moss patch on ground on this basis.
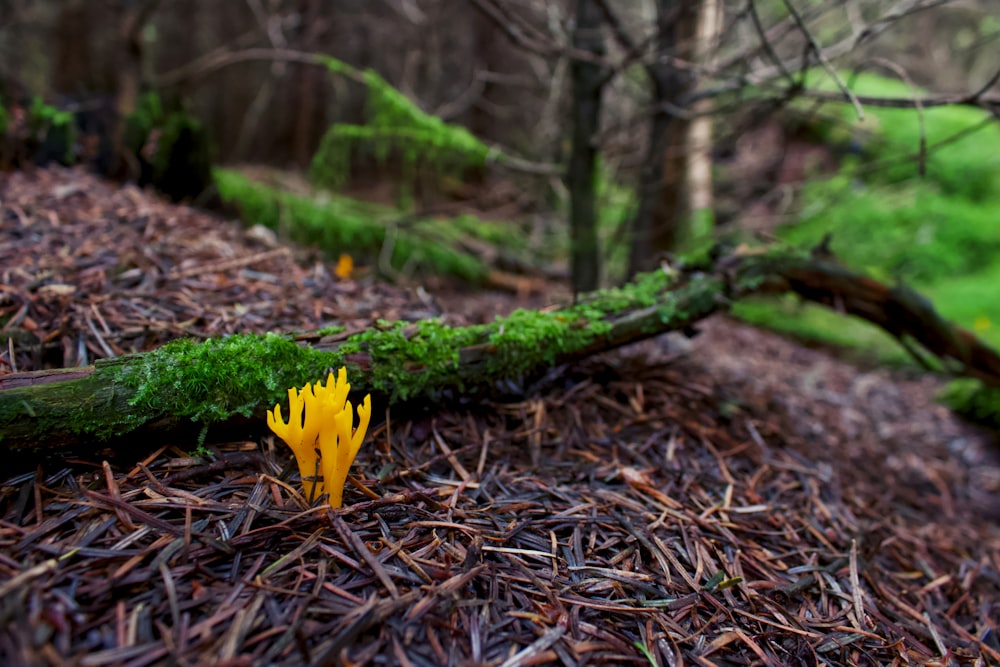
(369, 232)
(930, 220)
(933, 223)
(817, 324)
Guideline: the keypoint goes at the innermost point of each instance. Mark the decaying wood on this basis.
(901, 311)
(58, 409)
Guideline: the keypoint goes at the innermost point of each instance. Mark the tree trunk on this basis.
(581, 178)
(669, 230)
(72, 64)
(698, 207)
(133, 22)
(657, 227)
(311, 84)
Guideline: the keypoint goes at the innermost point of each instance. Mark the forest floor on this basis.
(734, 498)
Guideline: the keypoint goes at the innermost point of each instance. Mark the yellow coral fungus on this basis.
(323, 438)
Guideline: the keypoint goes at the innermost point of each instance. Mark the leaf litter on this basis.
(733, 500)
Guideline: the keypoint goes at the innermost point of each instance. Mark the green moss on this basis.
(181, 164)
(974, 401)
(54, 127)
(147, 116)
(220, 378)
(343, 225)
(242, 375)
(526, 339)
(645, 290)
(936, 231)
(396, 126)
(205, 382)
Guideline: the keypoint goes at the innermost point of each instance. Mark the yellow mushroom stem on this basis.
(319, 433)
(339, 445)
(300, 435)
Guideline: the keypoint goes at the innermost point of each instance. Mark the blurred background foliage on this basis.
(432, 137)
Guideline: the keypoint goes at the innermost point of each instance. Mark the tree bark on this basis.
(588, 82)
(73, 63)
(189, 385)
(654, 230)
(135, 15)
(698, 205)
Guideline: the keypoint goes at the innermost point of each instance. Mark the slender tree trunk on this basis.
(73, 64)
(664, 82)
(670, 216)
(698, 208)
(136, 13)
(657, 227)
(311, 85)
(581, 179)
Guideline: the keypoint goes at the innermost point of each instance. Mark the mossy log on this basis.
(229, 383)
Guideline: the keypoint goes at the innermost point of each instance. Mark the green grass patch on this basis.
(963, 143)
(817, 324)
(974, 401)
(933, 223)
(972, 300)
(912, 232)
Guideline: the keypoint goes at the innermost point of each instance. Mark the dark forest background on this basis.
(622, 131)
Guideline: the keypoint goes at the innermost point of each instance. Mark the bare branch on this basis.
(818, 51)
(463, 102)
(890, 18)
(224, 57)
(992, 81)
(617, 29)
(220, 59)
(902, 74)
(515, 29)
(988, 102)
(766, 43)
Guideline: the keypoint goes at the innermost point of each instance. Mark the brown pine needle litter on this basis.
(758, 504)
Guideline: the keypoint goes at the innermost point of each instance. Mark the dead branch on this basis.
(55, 410)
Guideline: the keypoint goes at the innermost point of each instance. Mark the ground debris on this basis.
(741, 501)
(89, 270)
(630, 517)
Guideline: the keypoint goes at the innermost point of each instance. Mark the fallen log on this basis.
(233, 380)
